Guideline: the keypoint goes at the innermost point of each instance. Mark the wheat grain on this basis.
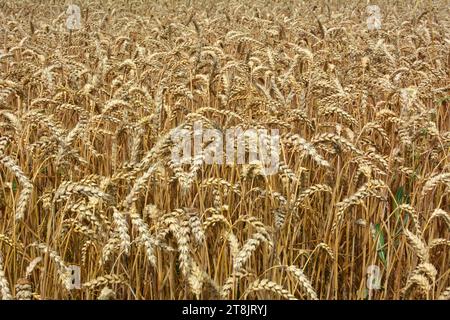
(268, 285)
(356, 129)
(4, 285)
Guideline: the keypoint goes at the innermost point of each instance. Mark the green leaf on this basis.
(379, 237)
(443, 99)
(401, 197)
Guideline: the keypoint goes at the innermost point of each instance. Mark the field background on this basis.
(85, 149)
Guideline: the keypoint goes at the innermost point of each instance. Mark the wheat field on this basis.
(362, 186)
